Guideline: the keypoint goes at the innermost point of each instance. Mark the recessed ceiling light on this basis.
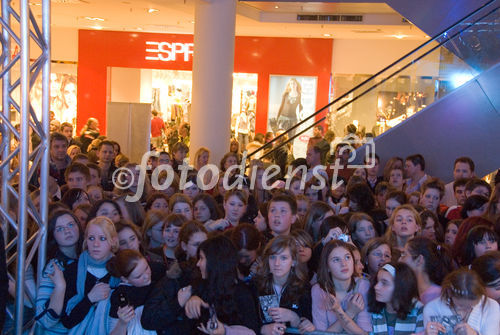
(93, 18)
(96, 27)
(138, 28)
(276, 7)
(35, 4)
(327, 35)
(153, 10)
(427, 36)
(192, 22)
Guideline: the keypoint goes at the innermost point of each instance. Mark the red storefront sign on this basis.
(100, 50)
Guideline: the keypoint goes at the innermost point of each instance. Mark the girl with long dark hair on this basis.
(220, 303)
(284, 290)
(393, 301)
(63, 246)
(430, 262)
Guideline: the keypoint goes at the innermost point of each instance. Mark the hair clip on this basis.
(459, 292)
(391, 269)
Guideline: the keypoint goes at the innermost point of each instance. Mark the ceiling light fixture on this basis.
(327, 35)
(192, 22)
(276, 7)
(96, 27)
(153, 10)
(399, 36)
(93, 18)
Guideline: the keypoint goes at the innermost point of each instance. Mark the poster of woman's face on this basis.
(63, 90)
(291, 100)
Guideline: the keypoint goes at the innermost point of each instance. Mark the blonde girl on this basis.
(404, 224)
(88, 282)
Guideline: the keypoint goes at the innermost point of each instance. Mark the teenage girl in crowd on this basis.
(260, 221)
(220, 304)
(129, 236)
(107, 208)
(304, 251)
(63, 247)
(152, 229)
(248, 242)
(430, 262)
(393, 301)
(235, 205)
(191, 235)
(164, 308)
(393, 200)
(181, 204)
(339, 299)
(127, 300)
(462, 308)
(88, 283)
(205, 208)
(431, 227)
(171, 227)
(480, 240)
(404, 224)
(375, 253)
(362, 229)
(284, 292)
(488, 269)
(318, 211)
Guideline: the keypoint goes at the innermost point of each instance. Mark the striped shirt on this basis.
(413, 323)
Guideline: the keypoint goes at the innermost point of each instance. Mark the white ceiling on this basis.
(253, 18)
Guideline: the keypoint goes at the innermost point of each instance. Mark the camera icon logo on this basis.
(350, 148)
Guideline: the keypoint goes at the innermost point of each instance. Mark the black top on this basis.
(300, 303)
(162, 311)
(246, 308)
(135, 297)
(80, 311)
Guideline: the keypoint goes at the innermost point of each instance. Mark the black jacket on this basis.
(162, 311)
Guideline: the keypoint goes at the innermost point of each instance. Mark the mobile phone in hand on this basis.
(123, 301)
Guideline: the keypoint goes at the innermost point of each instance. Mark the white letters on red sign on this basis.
(167, 52)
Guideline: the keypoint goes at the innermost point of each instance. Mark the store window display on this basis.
(291, 106)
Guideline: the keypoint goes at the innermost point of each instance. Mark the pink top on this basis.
(323, 318)
(433, 292)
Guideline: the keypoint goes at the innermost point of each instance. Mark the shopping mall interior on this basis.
(142, 52)
(395, 77)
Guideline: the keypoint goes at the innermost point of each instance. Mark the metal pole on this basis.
(23, 172)
(6, 112)
(44, 173)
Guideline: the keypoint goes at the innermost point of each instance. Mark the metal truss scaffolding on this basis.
(25, 60)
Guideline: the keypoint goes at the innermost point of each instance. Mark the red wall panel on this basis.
(98, 50)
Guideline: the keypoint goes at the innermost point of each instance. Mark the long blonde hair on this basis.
(197, 155)
(389, 234)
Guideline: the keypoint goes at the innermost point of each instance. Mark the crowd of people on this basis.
(385, 251)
